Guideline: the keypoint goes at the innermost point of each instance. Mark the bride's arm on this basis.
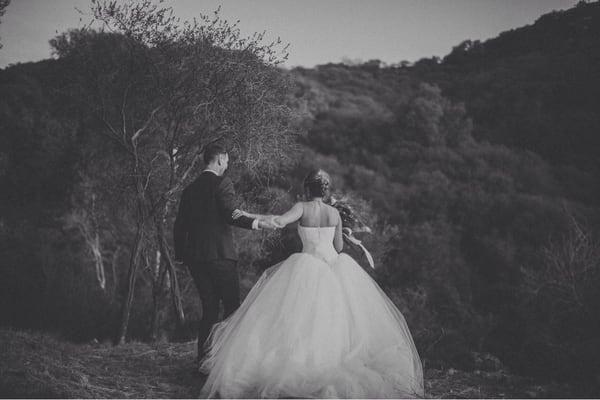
(338, 240)
(290, 216)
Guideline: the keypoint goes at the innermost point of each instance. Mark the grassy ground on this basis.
(37, 365)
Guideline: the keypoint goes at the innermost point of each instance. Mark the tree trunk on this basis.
(115, 279)
(97, 253)
(175, 291)
(134, 262)
(157, 290)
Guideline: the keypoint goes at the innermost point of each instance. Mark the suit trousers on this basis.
(217, 281)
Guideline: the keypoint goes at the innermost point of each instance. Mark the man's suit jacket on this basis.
(202, 230)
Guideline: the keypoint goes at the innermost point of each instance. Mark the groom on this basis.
(204, 239)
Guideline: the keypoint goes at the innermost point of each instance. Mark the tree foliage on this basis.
(148, 92)
(3, 5)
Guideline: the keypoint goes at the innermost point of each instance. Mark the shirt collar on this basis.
(210, 170)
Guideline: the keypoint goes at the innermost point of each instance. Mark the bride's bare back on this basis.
(315, 214)
(318, 214)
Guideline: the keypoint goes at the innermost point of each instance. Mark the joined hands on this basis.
(269, 222)
(239, 213)
(264, 221)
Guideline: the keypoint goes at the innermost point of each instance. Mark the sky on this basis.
(318, 31)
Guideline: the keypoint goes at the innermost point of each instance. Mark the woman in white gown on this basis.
(315, 325)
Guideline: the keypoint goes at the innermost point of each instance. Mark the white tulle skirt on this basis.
(313, 329)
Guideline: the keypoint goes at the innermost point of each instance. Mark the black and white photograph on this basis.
(353, 199)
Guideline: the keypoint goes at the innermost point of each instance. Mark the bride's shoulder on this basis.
(332, 209)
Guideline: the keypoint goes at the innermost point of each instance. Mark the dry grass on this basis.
(38, 365)
(35, 365)
(451, 383)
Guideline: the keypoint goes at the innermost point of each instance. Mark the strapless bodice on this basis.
(318, 241)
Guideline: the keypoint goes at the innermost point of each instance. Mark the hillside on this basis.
(535, 87)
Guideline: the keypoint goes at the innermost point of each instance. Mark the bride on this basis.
(314, 325)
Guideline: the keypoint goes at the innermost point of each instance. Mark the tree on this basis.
(568, 281)
(433, 120)
(3, 5)
(161, 90)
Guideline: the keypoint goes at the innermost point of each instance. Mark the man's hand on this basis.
(238, 213)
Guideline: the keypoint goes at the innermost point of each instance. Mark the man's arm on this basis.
(227, 202)
(180, 228)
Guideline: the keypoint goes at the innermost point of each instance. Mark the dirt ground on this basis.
(35, 365)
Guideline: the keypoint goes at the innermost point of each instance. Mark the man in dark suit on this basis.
(204, 239)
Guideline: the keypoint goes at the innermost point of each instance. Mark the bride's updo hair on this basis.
(317, 184)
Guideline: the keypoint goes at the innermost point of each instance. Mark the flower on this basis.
(349, 217)
(351, 223)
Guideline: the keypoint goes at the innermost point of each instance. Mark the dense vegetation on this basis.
(478, 172)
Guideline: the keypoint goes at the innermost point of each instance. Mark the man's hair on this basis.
(212, 151)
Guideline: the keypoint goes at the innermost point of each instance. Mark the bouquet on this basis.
(351, 223)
